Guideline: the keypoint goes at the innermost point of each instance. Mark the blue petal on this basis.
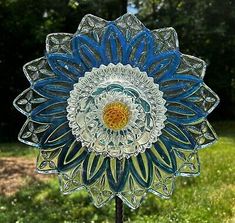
(162, 155)
(57, 135)
(190, 106)
(139, 50)
(203, 98)
(93, 167)
(179, 86)
(49, 111)
(117, 172)
(71, 155)
(113, 45)
(54, 88)
(88, 51)
(183, 112)
(141, 168)
(66, 66)
(180, 110)
(178, 136)
(162, 66)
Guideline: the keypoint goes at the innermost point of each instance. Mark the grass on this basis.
(209, 198)
(16, 149)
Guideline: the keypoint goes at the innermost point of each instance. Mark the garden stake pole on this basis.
(119, 210)
(118, 201)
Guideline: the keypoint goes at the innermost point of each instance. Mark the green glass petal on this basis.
(163, 183)
(132, 194)
(187, 162)
(47, 161)
(100, 191)
(71, 180)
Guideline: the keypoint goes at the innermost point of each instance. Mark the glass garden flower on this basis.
(117, 109)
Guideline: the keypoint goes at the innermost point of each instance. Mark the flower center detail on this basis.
(116, 115)
(116, 110)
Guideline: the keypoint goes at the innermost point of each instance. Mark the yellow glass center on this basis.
(116, 115)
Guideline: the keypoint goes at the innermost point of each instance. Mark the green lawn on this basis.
(207, 198)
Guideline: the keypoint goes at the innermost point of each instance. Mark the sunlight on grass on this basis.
(16, 149)
(209, 198)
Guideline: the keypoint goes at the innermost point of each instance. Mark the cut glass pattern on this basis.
(117, 110)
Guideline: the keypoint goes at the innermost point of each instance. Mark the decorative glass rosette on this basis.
(116, 108)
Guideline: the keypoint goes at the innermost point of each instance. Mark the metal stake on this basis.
(119, 210)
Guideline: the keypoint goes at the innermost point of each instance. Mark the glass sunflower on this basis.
(117, 109)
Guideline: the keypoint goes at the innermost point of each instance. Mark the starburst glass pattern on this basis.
(117, 109)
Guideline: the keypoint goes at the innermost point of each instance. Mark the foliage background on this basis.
(205, 29)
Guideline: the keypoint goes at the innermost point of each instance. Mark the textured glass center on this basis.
(116, 115)
(116, 110)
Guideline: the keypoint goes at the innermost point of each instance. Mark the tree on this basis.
(24, 25)
(206, 30)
